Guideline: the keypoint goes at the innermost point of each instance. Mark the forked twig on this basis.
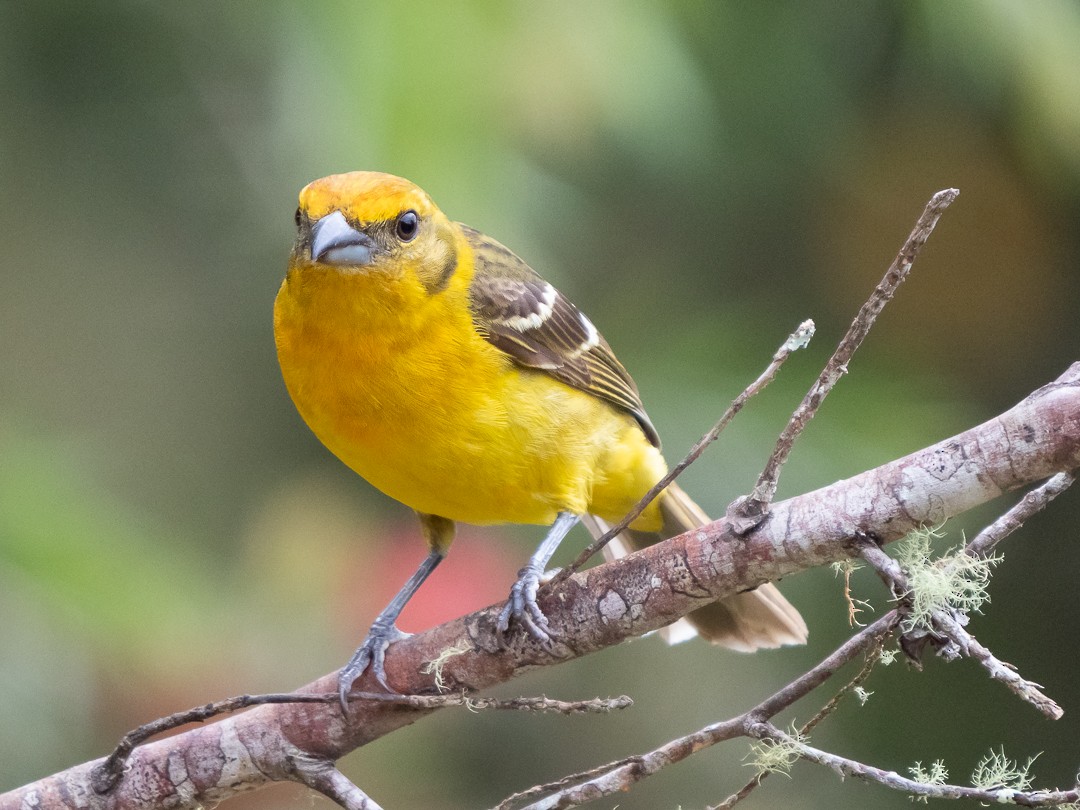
(747, 512)
(873, 655)
(619, 776)
(795, 341)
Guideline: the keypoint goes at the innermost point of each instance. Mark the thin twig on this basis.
(986, 541)
(812, 679)
(849, 767)
(521, 704)
(109, 771)
(999, 670)
(887, 569)
(748, 511)
(872, 657)
(618, 776)
(795, 341)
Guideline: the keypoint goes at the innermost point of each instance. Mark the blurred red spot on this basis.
(478, 571)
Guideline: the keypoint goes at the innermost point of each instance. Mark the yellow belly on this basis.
(447, 424)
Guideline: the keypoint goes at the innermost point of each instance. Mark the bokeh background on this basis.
(699, 177)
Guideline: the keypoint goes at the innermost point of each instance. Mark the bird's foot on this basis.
(372, 652)
(522, 608)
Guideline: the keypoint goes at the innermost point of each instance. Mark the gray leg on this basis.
(384, 632)
(522, 605)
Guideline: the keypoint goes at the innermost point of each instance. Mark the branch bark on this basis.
(594, 610)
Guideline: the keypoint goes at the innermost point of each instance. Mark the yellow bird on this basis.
(440, 367)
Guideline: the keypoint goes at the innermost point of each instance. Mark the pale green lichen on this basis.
(955, 581)
(845, 567)
(937, 774)
(435, 666)
(777, 756)
(995, 770)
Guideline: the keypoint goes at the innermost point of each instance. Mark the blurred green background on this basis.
(698, 177)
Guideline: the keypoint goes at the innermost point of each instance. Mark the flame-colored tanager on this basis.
(440, 367)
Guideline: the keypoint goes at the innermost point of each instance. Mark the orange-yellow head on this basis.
(365, 222)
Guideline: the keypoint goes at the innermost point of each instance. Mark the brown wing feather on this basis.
(519, 313)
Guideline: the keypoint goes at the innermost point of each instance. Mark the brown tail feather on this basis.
(747, 621)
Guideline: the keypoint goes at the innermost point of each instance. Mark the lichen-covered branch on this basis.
(944, 628)
(844, 767)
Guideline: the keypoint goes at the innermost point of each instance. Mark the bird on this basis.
(440, 367)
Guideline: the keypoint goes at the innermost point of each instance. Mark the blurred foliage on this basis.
(699, 177)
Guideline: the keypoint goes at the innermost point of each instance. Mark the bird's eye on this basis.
(298, 215)
(406, 226)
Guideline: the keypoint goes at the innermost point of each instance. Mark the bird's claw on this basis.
(372, 652)
(522, 607)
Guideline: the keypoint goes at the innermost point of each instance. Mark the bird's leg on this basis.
(384, 632)
(521, 605)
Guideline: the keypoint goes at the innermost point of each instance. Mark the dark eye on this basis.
(297, 217)
(406, 226)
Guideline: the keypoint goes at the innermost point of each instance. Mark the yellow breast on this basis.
(397, 383)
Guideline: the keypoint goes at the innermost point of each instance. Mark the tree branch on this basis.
(599, 608)
(1002, 782)
(937, 790)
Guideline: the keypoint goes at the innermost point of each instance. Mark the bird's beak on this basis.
(335, 241)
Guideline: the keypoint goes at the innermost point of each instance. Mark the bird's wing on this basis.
(524, 316)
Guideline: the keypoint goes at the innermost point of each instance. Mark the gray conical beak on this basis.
(335, 241)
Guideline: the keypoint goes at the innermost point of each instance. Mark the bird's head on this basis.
(370, 222)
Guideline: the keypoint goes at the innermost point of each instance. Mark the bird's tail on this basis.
(746, 621)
